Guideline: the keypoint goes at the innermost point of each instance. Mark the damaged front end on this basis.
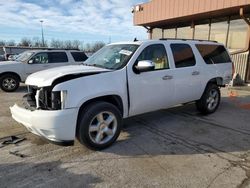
(44, 98)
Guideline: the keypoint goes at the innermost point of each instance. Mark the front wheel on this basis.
(99, 125)
(210, 99)
(9, 82)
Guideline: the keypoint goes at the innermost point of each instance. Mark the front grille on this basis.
(48, 100)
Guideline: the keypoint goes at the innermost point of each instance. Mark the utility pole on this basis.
(109, 39)
(42, 32)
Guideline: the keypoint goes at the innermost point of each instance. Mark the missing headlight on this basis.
(56, 100)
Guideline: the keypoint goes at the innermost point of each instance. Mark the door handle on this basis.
(167, 77)
(195, 73)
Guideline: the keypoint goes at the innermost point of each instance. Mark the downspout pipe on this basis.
(149, 31)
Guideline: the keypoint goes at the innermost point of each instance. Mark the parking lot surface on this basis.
(176, 147)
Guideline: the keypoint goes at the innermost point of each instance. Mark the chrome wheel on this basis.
(213, 99)
(9, 83)
(103, 127)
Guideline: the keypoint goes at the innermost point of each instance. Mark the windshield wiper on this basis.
(95, 65)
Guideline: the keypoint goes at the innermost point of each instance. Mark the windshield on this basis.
(24, 56)
(112, 56)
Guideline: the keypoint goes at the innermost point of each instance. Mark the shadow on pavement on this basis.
(50, 174)
(183, 130)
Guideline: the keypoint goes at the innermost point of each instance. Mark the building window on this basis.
(157, 33)
(170, 33)
(219, 31)
(237, 39)
(185, 33)
(201, 32)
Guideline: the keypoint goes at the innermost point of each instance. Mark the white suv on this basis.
(14, 72)
(122, 80)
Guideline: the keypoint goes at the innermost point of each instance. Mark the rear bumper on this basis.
(58, 126)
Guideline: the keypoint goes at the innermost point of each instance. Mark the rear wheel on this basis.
(210, 99)
(99, 125)
(9, 82)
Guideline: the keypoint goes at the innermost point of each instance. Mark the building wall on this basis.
(160, 10)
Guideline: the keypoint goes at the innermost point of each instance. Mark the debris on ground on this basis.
(16, 153)
(10, 140)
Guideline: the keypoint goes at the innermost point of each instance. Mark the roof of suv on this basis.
(54, 50)
(190, 41)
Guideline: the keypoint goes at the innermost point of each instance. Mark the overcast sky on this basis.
(84, 20)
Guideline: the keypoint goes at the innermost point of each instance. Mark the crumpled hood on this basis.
(47, 77)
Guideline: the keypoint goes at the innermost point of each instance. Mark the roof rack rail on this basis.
(62, 49)
(189, 39)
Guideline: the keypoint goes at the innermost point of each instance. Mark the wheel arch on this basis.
(13, 73)
(116, 100)
(218, 81)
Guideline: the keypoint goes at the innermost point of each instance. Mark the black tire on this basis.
(9, 82)
(88, 117)
(209, 104)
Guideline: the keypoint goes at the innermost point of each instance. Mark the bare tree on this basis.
(87, 47)
(97, 46)
(36, 42)
(56, 43)
(25, 42)
(68, 44)
(11, 43)
(76, 44)
(2, 43)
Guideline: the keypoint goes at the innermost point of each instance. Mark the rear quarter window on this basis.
(79, 56)
(213, 54)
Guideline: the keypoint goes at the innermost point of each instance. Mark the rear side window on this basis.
(57, 57)
(213, 54)
(183, 55)
(79, 56)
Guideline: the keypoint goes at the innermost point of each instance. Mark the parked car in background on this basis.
(14, 72)
(119, 81)
(2, 58)
(13, 57)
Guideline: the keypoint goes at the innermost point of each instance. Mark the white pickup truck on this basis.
(14, 72)
(122, 80)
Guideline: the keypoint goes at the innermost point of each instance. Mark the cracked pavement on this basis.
(175, 147)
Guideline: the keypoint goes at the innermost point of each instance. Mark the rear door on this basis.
(187, 73)
(57, 59)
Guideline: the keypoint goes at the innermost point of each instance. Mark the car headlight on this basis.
(63, 98)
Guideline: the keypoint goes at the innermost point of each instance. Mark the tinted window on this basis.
(157, 54)
(183, 55)
(40, 58)
(213, 54)
(79, 56)
(58, 57)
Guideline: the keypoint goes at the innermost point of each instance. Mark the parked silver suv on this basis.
(14, 72)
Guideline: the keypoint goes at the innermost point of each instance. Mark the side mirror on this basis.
(144, 66)
(30, 61)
